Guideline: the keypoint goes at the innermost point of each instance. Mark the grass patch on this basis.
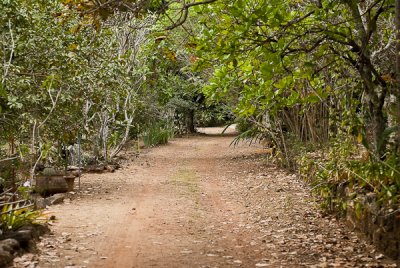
(157, 134)
(186, 178)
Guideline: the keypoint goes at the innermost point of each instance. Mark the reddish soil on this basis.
(197, 202)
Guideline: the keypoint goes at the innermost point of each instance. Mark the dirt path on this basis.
(197, 202)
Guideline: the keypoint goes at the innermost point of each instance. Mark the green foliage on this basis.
(14, 216)
(346, 171)
(8, 170)
(270, 56)
(243, 125)
(213, 115)
(67, 77)
(310, 77)
(157, 134)
(247, 133)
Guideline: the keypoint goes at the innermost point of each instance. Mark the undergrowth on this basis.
(157, 134)
(17, 210)
(14, 216)
(346, 171)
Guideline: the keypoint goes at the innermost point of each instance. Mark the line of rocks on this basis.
(41, 202)
(13, 243)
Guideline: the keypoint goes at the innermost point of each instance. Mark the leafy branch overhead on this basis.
(276, 44)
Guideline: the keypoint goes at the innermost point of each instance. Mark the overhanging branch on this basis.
(185, 12)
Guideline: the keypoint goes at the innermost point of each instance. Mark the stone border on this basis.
(382, 227)
(14, 243)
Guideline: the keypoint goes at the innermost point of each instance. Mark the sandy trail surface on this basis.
(197, 202)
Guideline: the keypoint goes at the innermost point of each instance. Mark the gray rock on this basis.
(41, 203)
(36, 229)
(55, 199)
(5, 258)
(7, 248)
(23, 237)
(10, 245)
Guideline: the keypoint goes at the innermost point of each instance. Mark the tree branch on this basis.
(185, 12)
(7, 64)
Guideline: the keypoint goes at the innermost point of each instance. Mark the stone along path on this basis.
(197, 202)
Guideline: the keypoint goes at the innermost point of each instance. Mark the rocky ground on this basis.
(197, 202)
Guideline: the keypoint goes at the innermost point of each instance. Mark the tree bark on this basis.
(375, 101)
(397, 87)
(375, 88)
(190, 121)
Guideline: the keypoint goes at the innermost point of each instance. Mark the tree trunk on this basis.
(190, 121)
(375, 95)
(397, 87)
(378, 127)
(375, 87)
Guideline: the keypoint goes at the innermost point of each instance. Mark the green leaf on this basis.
(313, 99)
(3, 92)
(266, 70)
